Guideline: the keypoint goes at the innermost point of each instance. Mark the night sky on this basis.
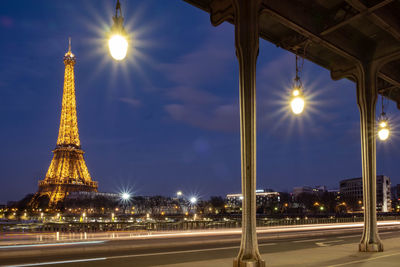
(167, 118)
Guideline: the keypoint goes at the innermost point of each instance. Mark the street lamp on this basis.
(125, 196)
(179, 193)
(193, 200)
(383, 125)
(118, 41)
(383, 128)
(297, 102)
(192, 203)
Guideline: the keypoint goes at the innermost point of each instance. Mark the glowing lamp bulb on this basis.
(297, 105)
(126, 196)
(193, 200)
(383, 134)
(383, 130)
(118, 46)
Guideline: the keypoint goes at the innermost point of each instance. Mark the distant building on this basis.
(264, 199)
(351, 191)
(302, 190)
(83, 195)
(101, 202)
(11, 203)
(395, 194)
(160, 205)
(320, 189)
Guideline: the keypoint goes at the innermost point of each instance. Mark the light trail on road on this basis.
(72, 238)
(53, 244)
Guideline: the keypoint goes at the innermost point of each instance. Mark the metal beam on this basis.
(359, 15)
(383, 90)
(389, 79)
(313, 37)
(377, 20)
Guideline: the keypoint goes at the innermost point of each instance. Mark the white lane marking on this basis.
(364, 260)
(181, 252)
(327, 243)
(56, 262)
(53, 244)
(308, 240)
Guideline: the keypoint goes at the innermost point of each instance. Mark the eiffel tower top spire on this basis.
(68, 134)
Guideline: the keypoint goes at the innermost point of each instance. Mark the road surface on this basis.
(180, 247)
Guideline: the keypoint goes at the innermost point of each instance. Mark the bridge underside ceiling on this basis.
(335, 34)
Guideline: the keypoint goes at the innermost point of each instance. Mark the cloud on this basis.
(224, 117)
(192, 97)
(131, 101)
(206, 63)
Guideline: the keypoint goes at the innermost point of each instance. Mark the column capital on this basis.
(220, 11)
(226, 10)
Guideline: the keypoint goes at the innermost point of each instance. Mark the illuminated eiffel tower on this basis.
(67, 171)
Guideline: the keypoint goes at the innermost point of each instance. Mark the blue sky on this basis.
(167, 118)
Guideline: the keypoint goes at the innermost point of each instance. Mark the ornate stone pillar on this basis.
(367, 95)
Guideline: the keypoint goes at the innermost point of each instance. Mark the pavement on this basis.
(332, 255)
(287, 246)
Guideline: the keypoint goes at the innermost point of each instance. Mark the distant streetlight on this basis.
(125, 196)
(118, 41)
(125, 199)
(193, 200)
(179, 193)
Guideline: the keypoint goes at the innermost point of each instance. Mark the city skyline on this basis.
(168, 119)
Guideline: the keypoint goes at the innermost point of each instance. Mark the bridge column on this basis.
(246, 18)
(367, 95)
